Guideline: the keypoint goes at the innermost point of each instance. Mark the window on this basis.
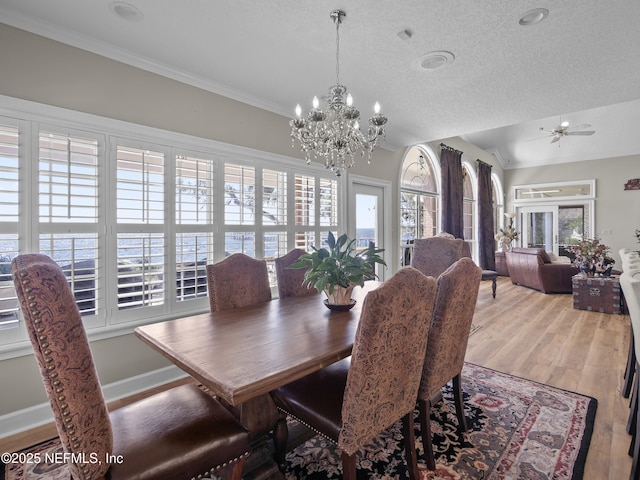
(68, 212)
(133, 215)
(195, 182)
(140, 216)
(9, 233)
(419, 200)
(469, 180)
(497, 200)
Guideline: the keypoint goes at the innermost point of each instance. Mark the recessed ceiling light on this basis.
(433, 60)
(533, 16)
(126, 11)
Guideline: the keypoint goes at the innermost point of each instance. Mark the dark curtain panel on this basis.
(452, 201)
(486, 246)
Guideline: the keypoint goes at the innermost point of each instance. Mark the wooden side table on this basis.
(501, 264)
(597, 294)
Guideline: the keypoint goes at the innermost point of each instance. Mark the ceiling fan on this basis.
(564, 130)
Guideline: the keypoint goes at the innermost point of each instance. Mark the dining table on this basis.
(242, 354)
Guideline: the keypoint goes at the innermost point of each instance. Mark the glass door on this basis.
(539, 227)
(367, 211)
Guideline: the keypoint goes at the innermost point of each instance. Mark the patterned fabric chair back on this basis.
(290, 279)
(387, 357)
(434, 255)
(237, 281)
(62, 352)
(452, 315)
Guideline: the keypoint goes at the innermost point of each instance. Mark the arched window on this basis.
(419, 198)
(469, 204)
(497, 199)
(469, 207)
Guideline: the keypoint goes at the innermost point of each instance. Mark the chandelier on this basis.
(333, 136)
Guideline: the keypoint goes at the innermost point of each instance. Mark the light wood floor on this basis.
(542, 338)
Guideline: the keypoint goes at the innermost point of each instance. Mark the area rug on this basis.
(518, 429)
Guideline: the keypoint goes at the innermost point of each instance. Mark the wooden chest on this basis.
(597, 294)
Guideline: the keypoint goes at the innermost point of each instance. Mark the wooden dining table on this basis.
(242, 354)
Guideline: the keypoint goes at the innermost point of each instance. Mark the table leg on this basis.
(259, 415)
(493, 287)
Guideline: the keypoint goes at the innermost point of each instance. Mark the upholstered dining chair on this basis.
(352, 401)
(630, 285)
(447, 344)
(181, 433)
(290, 279)
(630, 263)
(237, 281)
(434, 255)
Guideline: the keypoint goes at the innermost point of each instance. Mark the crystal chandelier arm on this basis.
(334, 135)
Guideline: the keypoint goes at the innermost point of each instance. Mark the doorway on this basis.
(540, 227)
(367, 219)
(553, 228)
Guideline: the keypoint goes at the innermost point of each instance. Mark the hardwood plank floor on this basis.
(543, 338)
(540, 337)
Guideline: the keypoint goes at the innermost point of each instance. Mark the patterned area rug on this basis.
(518, 429)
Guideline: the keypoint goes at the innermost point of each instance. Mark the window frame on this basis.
(429, 156)
(30, 116)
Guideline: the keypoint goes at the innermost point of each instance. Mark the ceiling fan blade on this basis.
(556, 139)
(580, 127)
(582, 132)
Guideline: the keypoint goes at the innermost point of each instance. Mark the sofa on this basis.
(534, 268)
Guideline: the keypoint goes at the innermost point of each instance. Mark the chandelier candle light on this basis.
(333, 136)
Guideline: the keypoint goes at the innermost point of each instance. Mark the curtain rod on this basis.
(451, 149)
(480, 162)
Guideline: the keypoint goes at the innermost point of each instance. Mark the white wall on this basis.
(617, 211)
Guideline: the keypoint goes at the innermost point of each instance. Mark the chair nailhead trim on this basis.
(53, 375)
(308, 426)
(210, 472)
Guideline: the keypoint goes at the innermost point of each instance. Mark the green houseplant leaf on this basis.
(339, 266)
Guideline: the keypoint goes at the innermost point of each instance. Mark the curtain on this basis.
(452, 200)
(486, 246)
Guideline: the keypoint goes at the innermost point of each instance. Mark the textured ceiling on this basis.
(507, 80)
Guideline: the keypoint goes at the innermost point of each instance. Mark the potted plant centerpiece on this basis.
(338, 268)
(593, 257)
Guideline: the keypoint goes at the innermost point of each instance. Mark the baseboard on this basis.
(32, 417)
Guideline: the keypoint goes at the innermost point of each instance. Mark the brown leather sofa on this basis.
(532, 267)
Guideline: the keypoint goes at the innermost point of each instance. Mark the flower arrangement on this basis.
(592, 255)
(509, 232)
(506, 236)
